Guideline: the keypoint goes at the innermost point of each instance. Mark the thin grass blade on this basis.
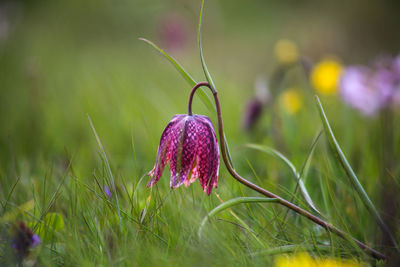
(108, 168)
(203, 96)
(203, 62)
(233, 202)
(206, 72)
(292, 169)
(243, 224)
(350, 173)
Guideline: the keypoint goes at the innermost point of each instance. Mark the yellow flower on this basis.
(286, 51)
(325, 76)
(300, 260)
(291, 101)
(305, 260)
(337, 263)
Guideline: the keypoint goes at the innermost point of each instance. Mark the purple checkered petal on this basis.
(163, 153)
(183, 153)
(190, 144)
(207, 154)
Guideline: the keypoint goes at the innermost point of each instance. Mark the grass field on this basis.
(83, 103)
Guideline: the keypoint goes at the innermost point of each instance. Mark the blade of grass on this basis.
(108, 168)
(207, 73)
(292, 248)
(304, 169)
(350, 173)
(203, 63)
(134, 155)
(242, 223)
(177, 66)
(292, 169)
(233, 202)
(10, 193)
(307, 163)
(203, 96)
(273, 210)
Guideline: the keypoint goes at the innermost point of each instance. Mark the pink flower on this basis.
(370, 89)
(358, 90)
(173, 31)
(190, 144)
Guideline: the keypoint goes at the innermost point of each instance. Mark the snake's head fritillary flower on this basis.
(190, 145)
(254, 107)
(252, 113)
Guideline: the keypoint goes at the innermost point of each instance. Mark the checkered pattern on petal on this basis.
(183, 151)
(164, 153)
(207, 154)
(190, 144)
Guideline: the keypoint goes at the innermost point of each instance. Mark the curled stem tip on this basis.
(198, 85)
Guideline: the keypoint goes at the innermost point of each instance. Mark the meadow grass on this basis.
(55, 163)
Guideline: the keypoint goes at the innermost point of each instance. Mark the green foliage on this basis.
(68, 59)
(51, 225)
(350, 173)
(233, 202)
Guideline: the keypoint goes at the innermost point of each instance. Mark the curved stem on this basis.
(200, 84)
(282, 201)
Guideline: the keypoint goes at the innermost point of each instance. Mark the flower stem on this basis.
(200, 84)
(282, 201)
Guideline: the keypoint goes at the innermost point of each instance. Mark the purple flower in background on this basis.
(252, 113)
(24, 239)
(35, 240)
(190, 144)
(371, 89)
(173, 31)
(395, 80)
(254, 106)
(107, 191)
(357, 90)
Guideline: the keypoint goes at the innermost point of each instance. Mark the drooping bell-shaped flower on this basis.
(190, 145)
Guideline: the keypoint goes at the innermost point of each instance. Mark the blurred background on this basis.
(61, 61)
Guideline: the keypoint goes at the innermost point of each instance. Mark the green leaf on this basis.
(233, 202)
(292, 169)
(340, 157)
(203, 96)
